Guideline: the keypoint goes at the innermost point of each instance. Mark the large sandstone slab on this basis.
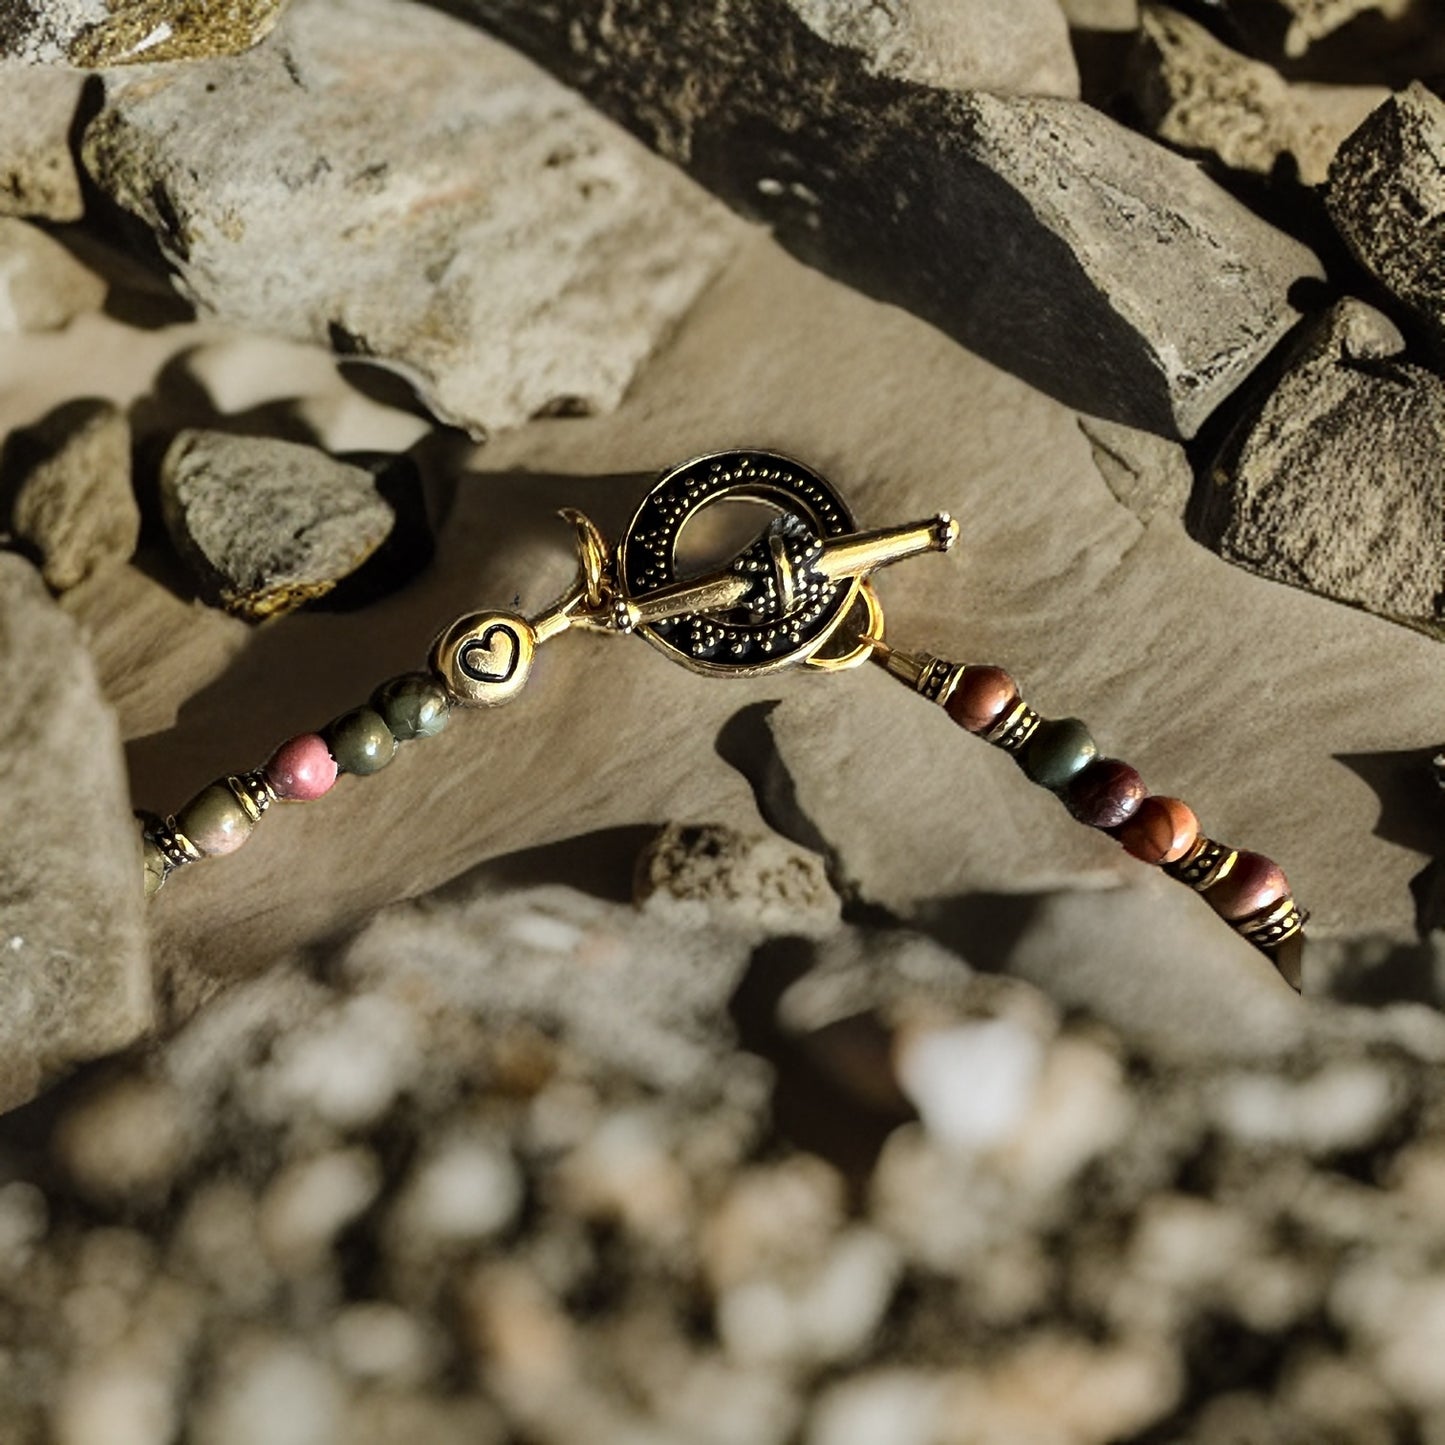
(1034, 230)
(383, 179)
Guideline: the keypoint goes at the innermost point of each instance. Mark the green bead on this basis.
(1059, 748)
(414, 705)
(156, 866)
(360, 741)
(215, 821)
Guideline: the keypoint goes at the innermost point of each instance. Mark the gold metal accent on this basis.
(1204, 865)
(870, 639)
(252, 792)
(179, 849)
(864, 552)
(1014, 729)
(1270, 927)
(483, 659)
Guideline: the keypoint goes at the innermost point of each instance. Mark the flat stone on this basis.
(74, 504)
(1196, 93)
(96, 33)
(1017, 49)
(1336, 486)
(1034, 230)
(471, 225)
(42, 286)
(267, 525)
(1386, 196)
(75, 981)
(37, 169)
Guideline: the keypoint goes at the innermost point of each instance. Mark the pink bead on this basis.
(301, 769)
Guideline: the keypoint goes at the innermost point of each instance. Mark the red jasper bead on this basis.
(301, 769)
(1104, 793)
(982, 695)
(1253, 883)
(1162, 830)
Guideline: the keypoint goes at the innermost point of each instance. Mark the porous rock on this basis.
(1386, 196)
(748, 880)
(74, 504)
(1336, 485)
(451, 212)
(1034, 230)
(1310, 21)
(1017, 49)
(1196, 93)
(37, 169)
(96, 33)
(42, 286)
(268, 525)
(75, 981)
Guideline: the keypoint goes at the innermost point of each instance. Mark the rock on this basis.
(1288, 501)
(544, 256)
(75, 983)
(1017, 49)
(1149, 474)
(1197, 94)
(1386, 193)
(268, 525)
(37, 170)
(124, 1143)
(748, 881)
(1034, 230)
(73, 501)
(1106, 15)
(42, 286)
(93, 33)
(1310, 21)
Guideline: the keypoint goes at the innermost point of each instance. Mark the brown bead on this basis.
(1253, 883)
(1105, 793)
(1163, 830)
(980, 698)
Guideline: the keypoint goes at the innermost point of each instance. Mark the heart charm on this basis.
(484, 658)
(491, 657)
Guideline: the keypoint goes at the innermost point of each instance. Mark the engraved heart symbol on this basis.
(492, 657)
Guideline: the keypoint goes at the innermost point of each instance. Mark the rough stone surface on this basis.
(37, 170)
(1310, 21)
(1033, 230)
(756, 880)
(471, 224)
(1386, 196)
(1017, 49)
(1149, 474)
(523, 1163)
(42, 286)
(268, 525)
(96, 33)
(74, 504)
(1336, 485)
(75, 981)
(1106, 15)
(1198, 94)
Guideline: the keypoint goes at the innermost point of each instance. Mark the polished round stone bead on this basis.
(360, 741)
(1163, 830)
(155, 865)
(1104, 793)
(1057, 749)
(215, 821)
(1253, 883)
(980, 698)
(414, 705)
(301, 769)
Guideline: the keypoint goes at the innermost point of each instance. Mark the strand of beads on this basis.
(220, 818)
(1247, 890)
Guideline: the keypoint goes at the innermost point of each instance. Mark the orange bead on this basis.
(980, 698)
(1162, 831)
(1253, 883)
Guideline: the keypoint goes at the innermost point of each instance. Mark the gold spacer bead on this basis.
(252, 792)
(1014, 729)
(1204, 864)
(1272, 925)
(178, 849)
(938, 679)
